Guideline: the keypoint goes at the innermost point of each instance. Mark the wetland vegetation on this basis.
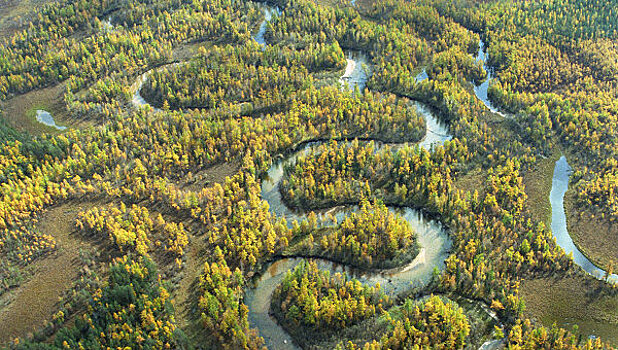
(371, 174)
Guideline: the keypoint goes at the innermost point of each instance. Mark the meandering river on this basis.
(560, 185)
(432, 238)
(480, 90)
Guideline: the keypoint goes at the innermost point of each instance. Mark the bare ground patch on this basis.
(35, 301)
(214, 174)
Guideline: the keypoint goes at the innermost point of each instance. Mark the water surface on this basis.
(481, 90)
(432, 238)
(560, 184)
(268, 15)
(44, 117)
(357, 71)
(421, 76)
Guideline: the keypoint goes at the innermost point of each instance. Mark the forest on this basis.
(297, 174)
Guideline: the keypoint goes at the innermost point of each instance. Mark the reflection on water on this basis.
(268, 15)
(431, 237)
(433, 240)
(44, 117)
(560, 184)
(421, 76)
(107, 25)
(356, 71)
(481, 90)
(493, 344)
(137, 100)
(437, 132)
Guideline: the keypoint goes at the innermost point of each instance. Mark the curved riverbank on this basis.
(434, 242)
(268, 15)
(356, 72)
(481, 90)
(137, 100)
(560, 184)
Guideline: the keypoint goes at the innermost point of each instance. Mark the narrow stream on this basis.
(421, 76)
(434, 244)
(107, 25)
(481, 90)
(436, 132)
(268, 15)
(431, 236)
(559, 187)
(560, 184)
(137, 99)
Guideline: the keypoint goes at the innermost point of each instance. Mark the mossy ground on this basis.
(13, 14)
(53, 275)
(573, 300)
(20, 111)
(537, 182)
(593, 234)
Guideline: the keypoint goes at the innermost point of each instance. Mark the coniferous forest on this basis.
(308, 174)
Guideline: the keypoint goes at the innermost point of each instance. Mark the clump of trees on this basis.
(372, 237)
(560, 81)
(134, 309)
(429, 324)
(221, 76)
(525, 335)
(223, 313)
(414, 177)
(20, 247)
(311, 298)
(133, 229)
